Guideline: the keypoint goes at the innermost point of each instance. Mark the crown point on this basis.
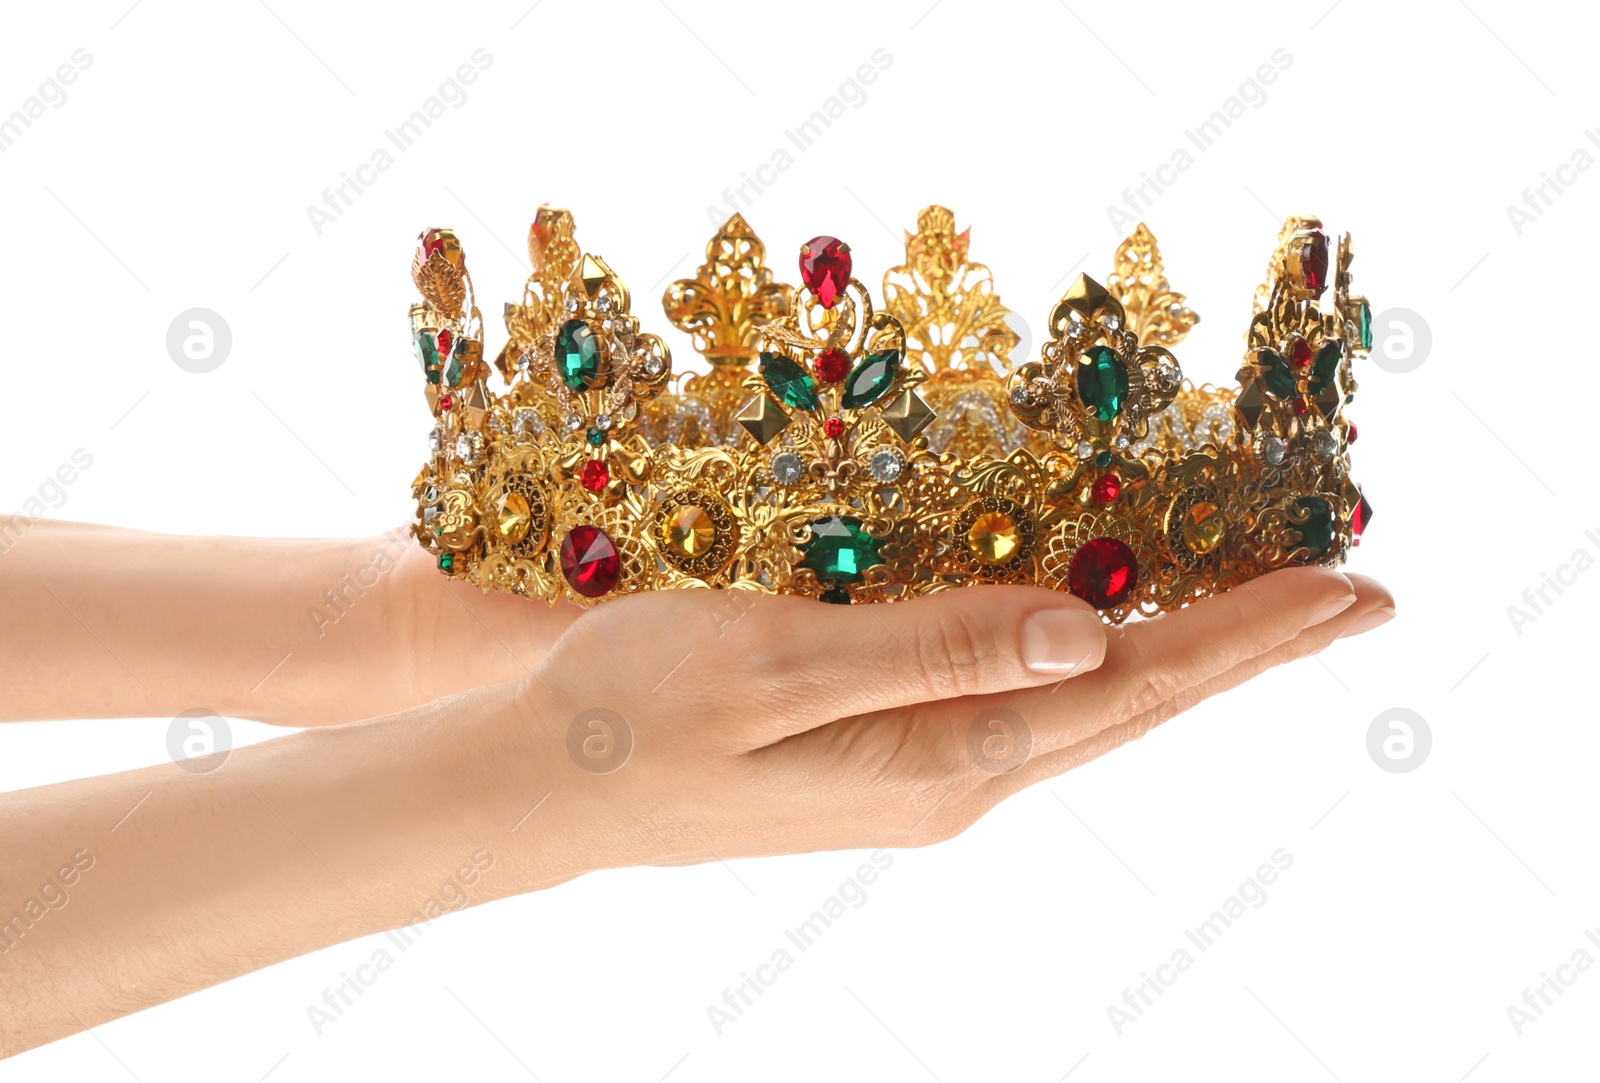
(825, 267)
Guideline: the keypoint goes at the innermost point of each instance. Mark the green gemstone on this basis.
(577, 355)
(427, 355)
(1316, 533)
(1364, 326)
(1275, 374)
(447, 562)
(1102, 382)
(1102, 459)
(791, 383)
(1326, 365)
(458, 358)
(840, 551)
(869, 380)
(595, 436)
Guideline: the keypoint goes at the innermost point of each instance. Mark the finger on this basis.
(1153, 661)
(1374, 606)
(782, 664)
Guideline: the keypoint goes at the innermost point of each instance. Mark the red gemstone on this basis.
(1314, 261)
(1300, 353)
(833, 365)
(1105, 488)
(1103, 572)
(443, 339)
(1300, 405)
(595, 475)
(430, 241)
(825, 268)
(1352, 438)
(1360, 516)
(833, 428)
(590, 562)
(446, 401)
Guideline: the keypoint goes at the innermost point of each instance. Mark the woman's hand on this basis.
(766, 725)
(668, 728)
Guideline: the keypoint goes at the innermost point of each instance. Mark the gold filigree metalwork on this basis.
(860, 453)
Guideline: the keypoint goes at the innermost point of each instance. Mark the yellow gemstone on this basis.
(994, 537)
(689, 530)
(1202, 527)
(513, 517)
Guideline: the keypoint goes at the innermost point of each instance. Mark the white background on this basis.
(1419, 905)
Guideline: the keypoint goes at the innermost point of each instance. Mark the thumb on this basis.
(804, 663)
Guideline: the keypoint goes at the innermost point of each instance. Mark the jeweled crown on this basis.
(861, 453)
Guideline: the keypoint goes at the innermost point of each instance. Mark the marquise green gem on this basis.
(789, 382)
(1364, 325)
(1102, 382)
(1316, 533)
(1326, 365)
(1275, 374)
(428, 355)
(840, 551)
(869, 380)
(577, 355)
(458, 357)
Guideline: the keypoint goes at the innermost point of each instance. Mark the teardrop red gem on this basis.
(825, 268)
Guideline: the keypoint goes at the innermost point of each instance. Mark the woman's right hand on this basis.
(709, 725)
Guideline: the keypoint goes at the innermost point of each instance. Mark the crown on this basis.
(862, 452)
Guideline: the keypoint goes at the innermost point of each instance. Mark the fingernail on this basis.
(1330, 609)
(1063, 641)
(1381, 615)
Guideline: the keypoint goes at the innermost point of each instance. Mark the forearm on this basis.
(184, 880)
(104, 622)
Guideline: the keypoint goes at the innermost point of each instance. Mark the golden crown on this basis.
(861, 453)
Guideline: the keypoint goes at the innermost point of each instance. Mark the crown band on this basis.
(861, 453)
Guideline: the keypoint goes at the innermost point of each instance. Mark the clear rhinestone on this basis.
(1084, 449)
(605, 325)
(602, 421)
(653, 365)
(1019, 395)
(464, 447)
(886, 466)
(1111, 321)
(1271, 450)
(1121, 443)
(1074, 325)
(603, 303)
(525, 362)
(572, 304)
(574, 422)
(1324, 445)
(433, 441)
(787, 467)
